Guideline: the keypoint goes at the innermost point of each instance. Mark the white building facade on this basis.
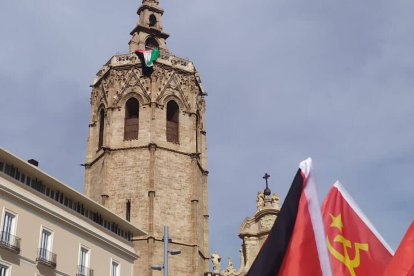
(47, 228)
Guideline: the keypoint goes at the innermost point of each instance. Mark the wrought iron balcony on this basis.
(84, 271)
(10, 241)
(46, 257)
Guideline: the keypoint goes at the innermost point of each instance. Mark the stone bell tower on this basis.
(147, 155)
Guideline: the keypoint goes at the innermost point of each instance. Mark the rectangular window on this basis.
(45, 244)
(9, 228)
(115, 269)
(83, 261)
(1, 166)
(4, 270)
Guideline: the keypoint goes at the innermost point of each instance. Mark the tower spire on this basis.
(149, 33)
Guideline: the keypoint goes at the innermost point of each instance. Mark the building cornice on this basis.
(107, 150)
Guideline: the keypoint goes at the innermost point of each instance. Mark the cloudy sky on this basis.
(286, 79)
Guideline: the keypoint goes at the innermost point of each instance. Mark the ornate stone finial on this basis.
(260, 201)
(267, 191)
(216, 260)
(151, 1)
(230, 270)
(275, 201)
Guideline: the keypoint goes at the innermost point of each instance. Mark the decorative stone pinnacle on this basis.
(267, 191)
(156, 2)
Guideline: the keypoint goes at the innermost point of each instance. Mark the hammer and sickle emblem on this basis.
(344, 258)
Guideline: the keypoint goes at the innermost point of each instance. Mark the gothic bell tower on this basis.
(146, 154)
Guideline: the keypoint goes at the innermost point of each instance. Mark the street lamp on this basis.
(166, 252)
(156, 267)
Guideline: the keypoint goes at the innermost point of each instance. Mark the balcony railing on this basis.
(46, 257)
(10, 241)
(84, 271)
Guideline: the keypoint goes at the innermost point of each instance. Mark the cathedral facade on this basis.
(146, 156)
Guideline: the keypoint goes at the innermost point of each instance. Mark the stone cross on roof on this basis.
(267, 191)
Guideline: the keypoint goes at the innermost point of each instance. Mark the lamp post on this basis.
(166, 252)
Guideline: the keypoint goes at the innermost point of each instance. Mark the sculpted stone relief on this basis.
(216, 260)
(130, 79)
(260, 201)
(178, 83)
(114, 83)
(230, 270)
(266, 222)
(276, 201)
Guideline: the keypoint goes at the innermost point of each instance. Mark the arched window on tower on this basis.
(101, 126)
(151, 43)
(131, 127)
(173, 112)
(152, 20)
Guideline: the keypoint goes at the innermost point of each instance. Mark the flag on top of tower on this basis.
(402, 264)
(296, 244)
(355, 246)
(149, 56)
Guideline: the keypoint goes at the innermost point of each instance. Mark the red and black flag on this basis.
(296, 243)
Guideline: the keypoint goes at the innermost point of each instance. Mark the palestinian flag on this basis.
(355, 246)
(402, 264)
(149, 56)
(296, 243)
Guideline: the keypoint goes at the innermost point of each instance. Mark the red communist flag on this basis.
(355, 247)
(402, 264)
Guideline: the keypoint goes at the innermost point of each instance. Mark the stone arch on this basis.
(132, 94)
(151, 42)
(172, 97)
(131, 119)
(173, 87)
(172, 113)
(101, 125)
(132, 84)
(152, 20)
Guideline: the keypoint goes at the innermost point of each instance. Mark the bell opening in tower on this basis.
(131, 127)
(151, 43)
(152, 20)
(172, 122)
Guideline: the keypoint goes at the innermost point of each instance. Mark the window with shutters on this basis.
(101, 126)
(131, 127)
(173, 112)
